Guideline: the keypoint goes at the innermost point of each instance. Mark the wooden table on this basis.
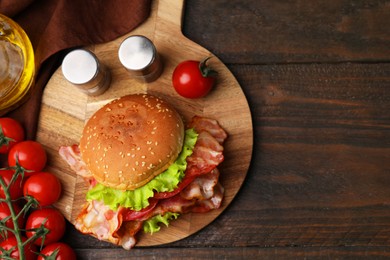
(317, 78)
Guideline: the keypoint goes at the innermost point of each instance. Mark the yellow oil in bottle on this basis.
(17, 66)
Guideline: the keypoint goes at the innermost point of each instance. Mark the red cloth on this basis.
(54, 26)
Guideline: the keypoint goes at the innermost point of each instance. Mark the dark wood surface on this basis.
(317, 78)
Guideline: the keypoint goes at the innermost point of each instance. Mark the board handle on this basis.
(171, 11)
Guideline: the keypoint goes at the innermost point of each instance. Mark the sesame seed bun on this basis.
(131, 140)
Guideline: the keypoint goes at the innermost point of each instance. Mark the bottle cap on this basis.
(80, 66)
(139, 56)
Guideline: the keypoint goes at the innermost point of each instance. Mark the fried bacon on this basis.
(203, 195)
(71, 155)
(199, 191)
(201, 124)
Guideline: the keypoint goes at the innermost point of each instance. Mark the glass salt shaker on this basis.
(83, 69)
(139, 56)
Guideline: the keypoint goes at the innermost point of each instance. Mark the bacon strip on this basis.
(209, 125)
(71, 155)
(206, 156)
(100, 221)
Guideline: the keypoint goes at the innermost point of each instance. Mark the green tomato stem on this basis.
(16, 230)
(31, 201)
(205, 70)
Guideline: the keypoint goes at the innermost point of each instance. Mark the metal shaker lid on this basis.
(136, 52)
(80, 66)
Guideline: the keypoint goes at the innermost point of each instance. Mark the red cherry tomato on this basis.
(193, 79)
(16, 189)
(11, 132)
(31, 155)
(45, 187)
(65, 252)
(10, 242)
(5, 212)
(52, 219)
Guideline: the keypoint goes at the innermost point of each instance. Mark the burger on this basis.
(144, 166)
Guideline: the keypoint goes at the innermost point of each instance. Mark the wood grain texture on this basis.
(263, 32)
(316, 77)
(239, 253)
(65, 110)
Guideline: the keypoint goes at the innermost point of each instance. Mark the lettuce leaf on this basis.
(152, 225)
(165, 182)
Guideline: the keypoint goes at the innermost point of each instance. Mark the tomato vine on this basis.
(17, 231)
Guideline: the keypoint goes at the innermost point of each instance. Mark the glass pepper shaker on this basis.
(83, 69)
(139, 56)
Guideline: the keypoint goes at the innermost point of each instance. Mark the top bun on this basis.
(131, 140)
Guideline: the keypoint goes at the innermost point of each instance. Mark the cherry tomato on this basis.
(45, 187)
(10, 242)
(32, 156)
(16, 189)
(11, 132)
(5, 212)
(193, 79)
(52, 219)
(65, 252)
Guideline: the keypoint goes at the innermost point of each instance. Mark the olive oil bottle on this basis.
(17, 66)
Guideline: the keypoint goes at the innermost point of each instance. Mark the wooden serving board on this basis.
(65, 110)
